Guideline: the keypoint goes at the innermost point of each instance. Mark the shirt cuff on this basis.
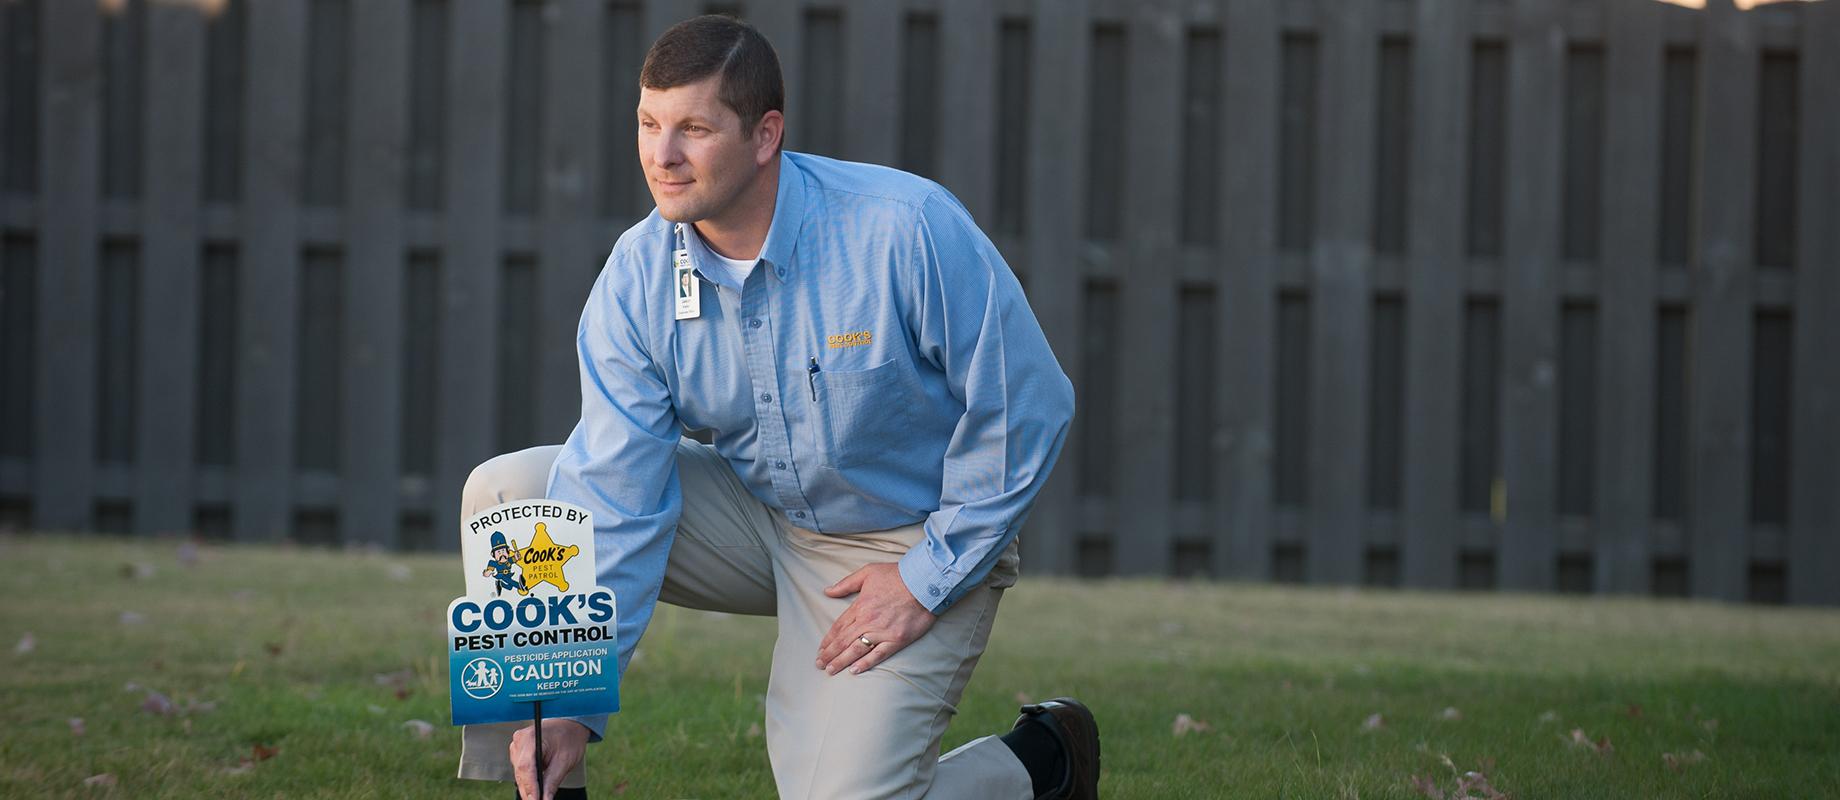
(595, 723)
(934, 589)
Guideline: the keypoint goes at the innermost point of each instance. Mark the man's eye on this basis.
(648, 124)
(696, 129)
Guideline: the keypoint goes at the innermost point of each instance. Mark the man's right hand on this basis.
(564, 741)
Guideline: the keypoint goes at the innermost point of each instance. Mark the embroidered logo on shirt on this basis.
(853, 339)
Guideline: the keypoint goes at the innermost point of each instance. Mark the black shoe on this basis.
(1073, 726)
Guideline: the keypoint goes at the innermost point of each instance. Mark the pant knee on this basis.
(510, 476)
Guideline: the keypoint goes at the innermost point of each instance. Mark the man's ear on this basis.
(767, 135)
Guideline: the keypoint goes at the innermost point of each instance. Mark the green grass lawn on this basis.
(323, 658)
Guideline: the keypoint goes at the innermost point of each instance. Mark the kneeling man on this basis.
(884, 409)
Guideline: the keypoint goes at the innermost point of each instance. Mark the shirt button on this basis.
(779, 465)
(799, 514)
(782, 273)
(766, 397)
(753, 323)
(932, 590)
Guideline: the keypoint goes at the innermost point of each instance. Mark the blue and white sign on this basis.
(532, 625)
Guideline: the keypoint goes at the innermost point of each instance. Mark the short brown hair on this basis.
(713, 43)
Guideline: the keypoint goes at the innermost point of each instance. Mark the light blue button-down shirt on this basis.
(879, 367)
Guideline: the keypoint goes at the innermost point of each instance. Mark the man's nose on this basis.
(664, 150)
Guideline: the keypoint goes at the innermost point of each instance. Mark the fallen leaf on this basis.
(1477, 782)
(753, 731)
(1601, 746)
(262, 752)
(27, 644)
(273, 648)
(158, 704)
(106, 779)
(1709, 724)
(1452, 714)
(422, 730)
(1634, 711)
(132, 618)
(621, 787)
(1373, 722)
(1426, 786)
(1679, 761)
(400, 677)
(1185, 725)
(241, 768)
(76, 726)
(1023, 699)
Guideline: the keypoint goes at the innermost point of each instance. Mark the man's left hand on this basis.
(883, 610)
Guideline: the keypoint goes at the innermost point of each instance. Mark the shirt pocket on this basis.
(865, 413)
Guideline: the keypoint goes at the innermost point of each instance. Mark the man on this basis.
(884, 410)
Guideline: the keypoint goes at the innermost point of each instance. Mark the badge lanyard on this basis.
(684, 284)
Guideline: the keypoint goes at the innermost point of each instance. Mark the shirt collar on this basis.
(788, 220)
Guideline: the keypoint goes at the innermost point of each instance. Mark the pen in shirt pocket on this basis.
(811, 378)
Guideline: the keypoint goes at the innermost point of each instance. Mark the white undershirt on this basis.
(733, 272)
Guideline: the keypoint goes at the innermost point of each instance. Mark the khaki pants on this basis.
(873, 735)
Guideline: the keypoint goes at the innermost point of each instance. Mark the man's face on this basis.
(696, 157)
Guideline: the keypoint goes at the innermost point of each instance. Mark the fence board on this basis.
(20, 109)
(19, 353)
(1435, 302)
(1626, 397)
(1153, 67)
(470, 263)
(374, 280)
(124, 96)
(71, 137)
(871, 94)
(968, 59)
(1248, 277)
(1341, 296)
(1814, 549)
(226, 91)
(784, 26)
(1719, 394)
(1055, 176)
(624, 195)
(573, 243)
(269, 274)
(822, 69)
(172, 250)
(328, 103)
(1527, 558)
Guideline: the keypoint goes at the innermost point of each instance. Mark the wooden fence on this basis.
(1537, 295)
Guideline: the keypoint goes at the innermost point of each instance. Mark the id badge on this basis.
(688, 289)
